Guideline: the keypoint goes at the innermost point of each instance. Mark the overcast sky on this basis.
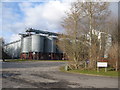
(43, 15)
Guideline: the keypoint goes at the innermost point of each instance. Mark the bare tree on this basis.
(113, 51)
(85, 19)
(96, 18)
(1, 48)
(73, 43)
(114, 30)
(113, 54)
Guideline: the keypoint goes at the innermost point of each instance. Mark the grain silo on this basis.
(26, 47)
(37, 45)
(50, 46)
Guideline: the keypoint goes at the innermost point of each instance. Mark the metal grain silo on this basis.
(47, 45)
(37, 43)
(26, 44)
(53, 42)
(50, 46)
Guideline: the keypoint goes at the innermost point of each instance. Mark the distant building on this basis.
(105, 41)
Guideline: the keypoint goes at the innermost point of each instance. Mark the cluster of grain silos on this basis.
(35, 44)
(40, 45)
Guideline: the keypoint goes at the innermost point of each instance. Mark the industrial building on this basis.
(35, 44)
(38, 44)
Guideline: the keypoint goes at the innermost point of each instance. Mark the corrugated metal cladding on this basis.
(26, 44)
(37, 43)
(13, 49)
(50, 46)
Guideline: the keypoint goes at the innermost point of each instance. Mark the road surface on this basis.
(46, 74)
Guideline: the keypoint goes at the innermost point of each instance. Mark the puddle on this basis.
(9, 74)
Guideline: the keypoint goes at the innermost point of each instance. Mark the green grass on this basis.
(20, 60)
(17, 60)
(94, 72)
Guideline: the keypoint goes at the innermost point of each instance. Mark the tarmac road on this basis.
(46, 74)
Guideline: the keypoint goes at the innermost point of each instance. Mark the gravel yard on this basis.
(46, 74)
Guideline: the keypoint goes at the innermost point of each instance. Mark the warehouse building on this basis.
(13, 49)
(35, 44)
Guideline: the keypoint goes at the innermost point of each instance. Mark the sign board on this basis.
(102, 64)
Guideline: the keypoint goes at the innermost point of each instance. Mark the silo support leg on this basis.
(37, 56)
(51, 56)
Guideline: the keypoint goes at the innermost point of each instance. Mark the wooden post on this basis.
(105, 69)
(97, 69)
(66, 67)
(85, 65)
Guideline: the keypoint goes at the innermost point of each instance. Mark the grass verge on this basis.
(20, 60)
(102, 72)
